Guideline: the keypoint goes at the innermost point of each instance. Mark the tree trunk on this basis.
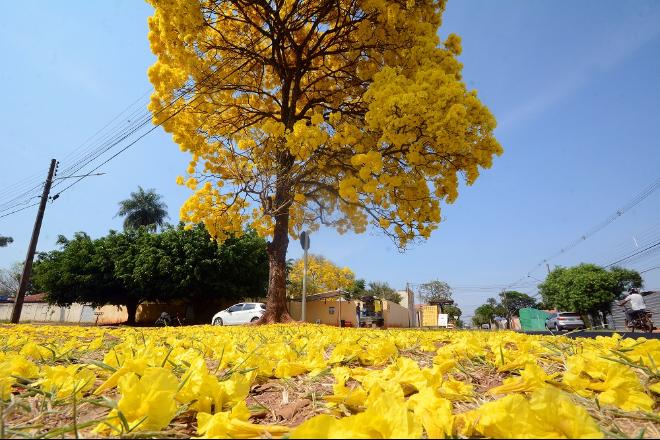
(276, 306)
(131, 309)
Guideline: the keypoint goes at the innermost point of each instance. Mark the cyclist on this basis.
(637, 304)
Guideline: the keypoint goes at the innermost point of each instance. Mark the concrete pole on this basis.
(304, 288)
(27, 267)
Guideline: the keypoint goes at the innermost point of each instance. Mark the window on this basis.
(235, 308)
(249, 306)
(331, 310)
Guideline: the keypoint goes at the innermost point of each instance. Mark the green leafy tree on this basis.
(358, 289)
(198, 270)
(435, 291)
(627, 279)
(454, 313)
(512, 301)
(585, 288)
(96, 272)
(143, 208)
(484, 314)
(134, 266)
(383, 290)
(4, 241)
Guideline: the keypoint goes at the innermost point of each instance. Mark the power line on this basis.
(646, 249)
(180, 96)
(19, 210)
(609, 220)
(123, 134)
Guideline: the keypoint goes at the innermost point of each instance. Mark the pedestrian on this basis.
(357, 315)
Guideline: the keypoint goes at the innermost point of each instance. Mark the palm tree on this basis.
(143, 208)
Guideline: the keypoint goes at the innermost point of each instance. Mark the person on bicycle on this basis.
(637, 304)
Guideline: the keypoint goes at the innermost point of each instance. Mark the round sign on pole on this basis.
(304, 240)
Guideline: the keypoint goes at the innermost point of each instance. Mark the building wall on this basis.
(394, 315)
(320, 310)
(82, 314)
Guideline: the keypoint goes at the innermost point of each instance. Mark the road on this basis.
(593, 334)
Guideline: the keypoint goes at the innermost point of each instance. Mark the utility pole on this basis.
(27, 267)
(304, 242)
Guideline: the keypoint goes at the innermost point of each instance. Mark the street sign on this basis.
(304, 240)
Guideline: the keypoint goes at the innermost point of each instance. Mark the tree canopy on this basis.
(322, 275)
(316, 112)
(10, 279)
(484, 314)
(143, 208)
(512, 301)
(586, 288)
(4, 241)
(435, 291)
(383, 290)
(134, 266)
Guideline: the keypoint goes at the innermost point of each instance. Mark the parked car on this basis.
(564, 321)
(242, 313)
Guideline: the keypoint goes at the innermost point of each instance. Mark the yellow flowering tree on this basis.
(304, 113)
(322, 275)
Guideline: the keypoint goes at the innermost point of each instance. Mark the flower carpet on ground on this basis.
(301, 381)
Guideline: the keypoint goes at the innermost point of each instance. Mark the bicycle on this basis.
(166, 320)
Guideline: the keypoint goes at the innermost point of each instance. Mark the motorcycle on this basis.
(166, 320)
(641, 321)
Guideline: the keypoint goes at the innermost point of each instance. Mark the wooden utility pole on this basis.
(27, 267)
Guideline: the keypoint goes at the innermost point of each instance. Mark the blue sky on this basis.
(575, 87)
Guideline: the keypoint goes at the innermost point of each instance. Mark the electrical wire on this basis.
(90, 154)
(181, 95)
(19, 210)
(646, 249)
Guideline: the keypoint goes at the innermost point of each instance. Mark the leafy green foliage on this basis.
(383, 290)
(626, 279)
(453, 311)
(484, 314)
(135, 266)
(512, 301)
(143, 208)
(586, 288)
(358, 289)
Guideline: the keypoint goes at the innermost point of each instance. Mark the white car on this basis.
(242, 313)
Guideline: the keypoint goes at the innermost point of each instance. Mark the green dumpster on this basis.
(532, 319)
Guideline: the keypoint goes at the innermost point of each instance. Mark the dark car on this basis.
(564, 321)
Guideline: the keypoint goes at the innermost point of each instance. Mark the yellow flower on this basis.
(614, 383)
(129, 366)
(435, 413)
(148, 402)
(64, 380)
(531, 378)
(385, 417)
(456, 390)
(548, 414)
(234, 424)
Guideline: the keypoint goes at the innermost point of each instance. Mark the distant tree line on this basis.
(131, 267)
(587, 289)
(137, 265)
